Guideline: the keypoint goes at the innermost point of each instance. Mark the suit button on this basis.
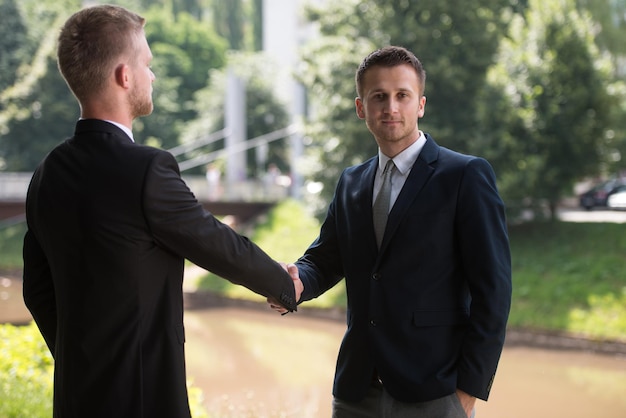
(376, 276)
(373, 322)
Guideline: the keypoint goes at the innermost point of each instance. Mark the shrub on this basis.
(26, 369)
(26, 375)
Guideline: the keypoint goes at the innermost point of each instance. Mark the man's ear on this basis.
(422, 107)
(122, 75)
(358, 102)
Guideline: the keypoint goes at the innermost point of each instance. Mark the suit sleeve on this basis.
(38, 289)
(484, 247)
(180, 224)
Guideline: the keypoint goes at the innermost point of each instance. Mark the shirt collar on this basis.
(405, 160)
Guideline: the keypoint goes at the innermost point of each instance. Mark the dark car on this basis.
(597, 196)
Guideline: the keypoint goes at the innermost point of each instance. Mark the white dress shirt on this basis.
(403, 161)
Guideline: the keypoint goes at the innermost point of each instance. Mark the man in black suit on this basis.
(427, 304)
(110, 223)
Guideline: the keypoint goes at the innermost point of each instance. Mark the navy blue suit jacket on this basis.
(428, 311)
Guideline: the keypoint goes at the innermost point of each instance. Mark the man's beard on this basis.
(140, 105)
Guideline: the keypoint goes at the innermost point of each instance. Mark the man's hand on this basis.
(467, 401)
(292, 269)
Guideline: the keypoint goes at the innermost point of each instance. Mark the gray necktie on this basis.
(381, 205)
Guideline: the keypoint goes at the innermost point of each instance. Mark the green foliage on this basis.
(37, 110)
(265, 113)
(456, 41)
(611, 15)
(566, 276)
(545, 110)
(196, 399)
(26, 374)
(11, 241)
(34, 118)
(257, 24)
(50, 118)
(336, 138)
(228, 20)
(287, 231)
(569, 277)
(285, 234)
(552, 95)
(26, 368)
(185, 51)
(12, 42)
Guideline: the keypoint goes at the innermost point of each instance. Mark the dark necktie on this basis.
(381, 205)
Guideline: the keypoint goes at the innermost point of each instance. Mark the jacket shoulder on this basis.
(358, 169)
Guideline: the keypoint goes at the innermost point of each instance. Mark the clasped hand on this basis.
(297, 284)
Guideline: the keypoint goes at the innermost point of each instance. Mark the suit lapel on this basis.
(363, 195)
(421, 171)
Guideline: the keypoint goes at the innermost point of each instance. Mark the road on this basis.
(598, 215)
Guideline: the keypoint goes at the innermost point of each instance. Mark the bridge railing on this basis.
(13, 188)
(249, 190)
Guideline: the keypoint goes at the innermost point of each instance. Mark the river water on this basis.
(251, 363)
(254, 363)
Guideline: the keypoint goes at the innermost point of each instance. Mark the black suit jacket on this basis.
(110, 223)
(427, 312)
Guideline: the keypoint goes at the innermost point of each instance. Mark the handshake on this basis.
(297, 284)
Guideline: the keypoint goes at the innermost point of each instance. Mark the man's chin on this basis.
(144, 112)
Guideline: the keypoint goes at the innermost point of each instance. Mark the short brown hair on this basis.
(390, 56)
(91, 41)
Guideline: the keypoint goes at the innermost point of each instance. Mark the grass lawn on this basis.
(566, 276)
(570, 277)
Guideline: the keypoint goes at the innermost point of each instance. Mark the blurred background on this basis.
(255, 98)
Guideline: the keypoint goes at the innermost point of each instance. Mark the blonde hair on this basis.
(91, 42)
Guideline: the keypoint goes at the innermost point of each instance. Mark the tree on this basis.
(171, 7)
(257, 25)
(185, 50)
(265, 112)
(34, 118)
(12, 42)
(37, 111)
(548, 124)
(611, 17)
(228, 20)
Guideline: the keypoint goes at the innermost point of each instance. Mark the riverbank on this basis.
(12, 310)
(515, 337)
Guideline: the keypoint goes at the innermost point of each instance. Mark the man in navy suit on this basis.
(110, 223)
(428, 305)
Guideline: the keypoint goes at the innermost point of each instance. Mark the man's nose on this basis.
(391, 105)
